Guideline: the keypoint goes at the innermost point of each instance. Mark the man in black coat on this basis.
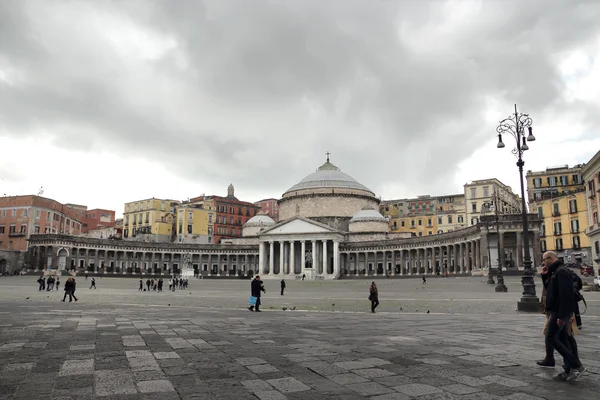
(256, 286)
(560, 306)
(282, 286)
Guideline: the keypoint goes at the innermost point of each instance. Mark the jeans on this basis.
(559, 339)
(374, 303)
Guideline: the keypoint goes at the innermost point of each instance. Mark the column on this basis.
(292, 258)
(537, 249)
(324, 257)
(261, 258)
(433, 260)
(314, 257)
(356, 262)
(410, 261)
(375, 267)
(461, 257)
(394, 262)
(402, 262)
(281, 257)
(477, 262)
(469, 258)
(519, 250)
(336, 258)
(271, 258)
(501, 261)
(441, 261)
(302, 257)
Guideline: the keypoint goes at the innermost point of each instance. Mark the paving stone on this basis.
(373, 372)
(288, 385)
(157, 386)
(391, 396)
(369, 388)
(460, 389)
(77, 367)
(250, 361)
(323, 368)
(256, 385)
(417, 389)
(78, 347)
(164, 355)
(270, 395)
(523, 396)
(344, 379)
(469, 380)
(179, 343)
(138, 353)
(262, 368)
(20, 367)
(501, 380)
(109, 383)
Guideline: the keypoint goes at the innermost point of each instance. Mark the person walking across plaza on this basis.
(256, 286)
(141, 286)
(282, 286)
(70, 290)
(373, 296)
(93, 285)
(57, 282)
(560, 306)
(424, 280)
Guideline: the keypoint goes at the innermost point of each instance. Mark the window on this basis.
(420, 222)
(474, 207)
(148, 205)
(473, 193)
(543, 246)
(48, 215)
(449, 219)
(24, 212)
(429, 222)
(564, 180)
(420, 233)
(595, 217)
(573, 206)
(180, 230)
(210, 218)
(135, 207)
(559, 244)
(3, 213)
(394, 225)
(210, 231)
(232, 232)
(597, 247)
(23, 228)
(127, 220)
(36, 229)
(543, 230)
(537, 182)
(540, 212)
(576, 179)
(189, 228)
(231, 220)
(552, 181)
(190, 216)
(555, 210)
(574, 225)
(440, 221)
(11, 229)
(429, 232)
(591, 187)
(147, 217)
(1, 229)
(13, 212)
(576, 243)
(162, 206)
(557, 229)
(486, 191)
(460, 219)
(402, 223)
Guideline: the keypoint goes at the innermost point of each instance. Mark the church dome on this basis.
(261, 220)
(328, 176)
(368, 214)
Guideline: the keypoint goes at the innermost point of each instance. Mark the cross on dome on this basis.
(328, 154)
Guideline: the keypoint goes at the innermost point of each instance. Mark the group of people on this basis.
(156, 284)
(48, 284)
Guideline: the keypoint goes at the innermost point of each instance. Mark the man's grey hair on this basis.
(551, 254)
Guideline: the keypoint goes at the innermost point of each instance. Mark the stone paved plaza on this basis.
(117, 343)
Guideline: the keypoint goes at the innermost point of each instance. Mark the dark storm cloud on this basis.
(256, 91)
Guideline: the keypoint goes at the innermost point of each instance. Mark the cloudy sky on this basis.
(104, 102)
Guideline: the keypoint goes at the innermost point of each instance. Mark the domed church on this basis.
(325, 209)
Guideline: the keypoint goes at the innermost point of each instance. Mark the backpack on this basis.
(577, 286)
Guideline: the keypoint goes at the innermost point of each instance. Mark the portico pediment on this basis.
(298, 225)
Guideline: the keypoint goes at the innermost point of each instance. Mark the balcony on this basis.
(556, 213)
(574, 230)
(542, 234)
(592, 229)
(557, 233)
(17, 234)
(576, 246)
(572, 211)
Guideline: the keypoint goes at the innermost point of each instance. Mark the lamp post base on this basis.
(501, 288)
(490, 280)
(529, 304)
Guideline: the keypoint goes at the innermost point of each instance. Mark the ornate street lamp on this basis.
(516, 125)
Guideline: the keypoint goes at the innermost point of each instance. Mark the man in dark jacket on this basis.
(282, 286)
(560, 306)
(256, 286)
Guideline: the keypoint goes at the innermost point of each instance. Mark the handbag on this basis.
(252, 301)
(370, 297)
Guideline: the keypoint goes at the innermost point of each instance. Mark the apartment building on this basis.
(558, 196)
(478, 199)
(151, 220)
(590, 173)
(269, 207)
(194, 224)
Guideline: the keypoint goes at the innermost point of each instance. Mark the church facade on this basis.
(329, 228)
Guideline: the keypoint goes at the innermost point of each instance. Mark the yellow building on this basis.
(194, 224)
(418, 225)
(450, 212)
(478, 199)
(150, 220)
(558, 196)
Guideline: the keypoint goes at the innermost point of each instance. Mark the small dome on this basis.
(368, 214)
(260, 220)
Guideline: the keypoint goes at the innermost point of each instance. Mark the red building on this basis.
(232, 214)
(269, 207)
(94, 219)
(22, 216)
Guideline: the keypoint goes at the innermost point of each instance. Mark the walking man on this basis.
(256, 287)
(424, 280)
(560, 306)
(93, 285)
(141, 286)
(282, 286)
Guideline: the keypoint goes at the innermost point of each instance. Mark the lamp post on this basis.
(500, 286)
(515, 125)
